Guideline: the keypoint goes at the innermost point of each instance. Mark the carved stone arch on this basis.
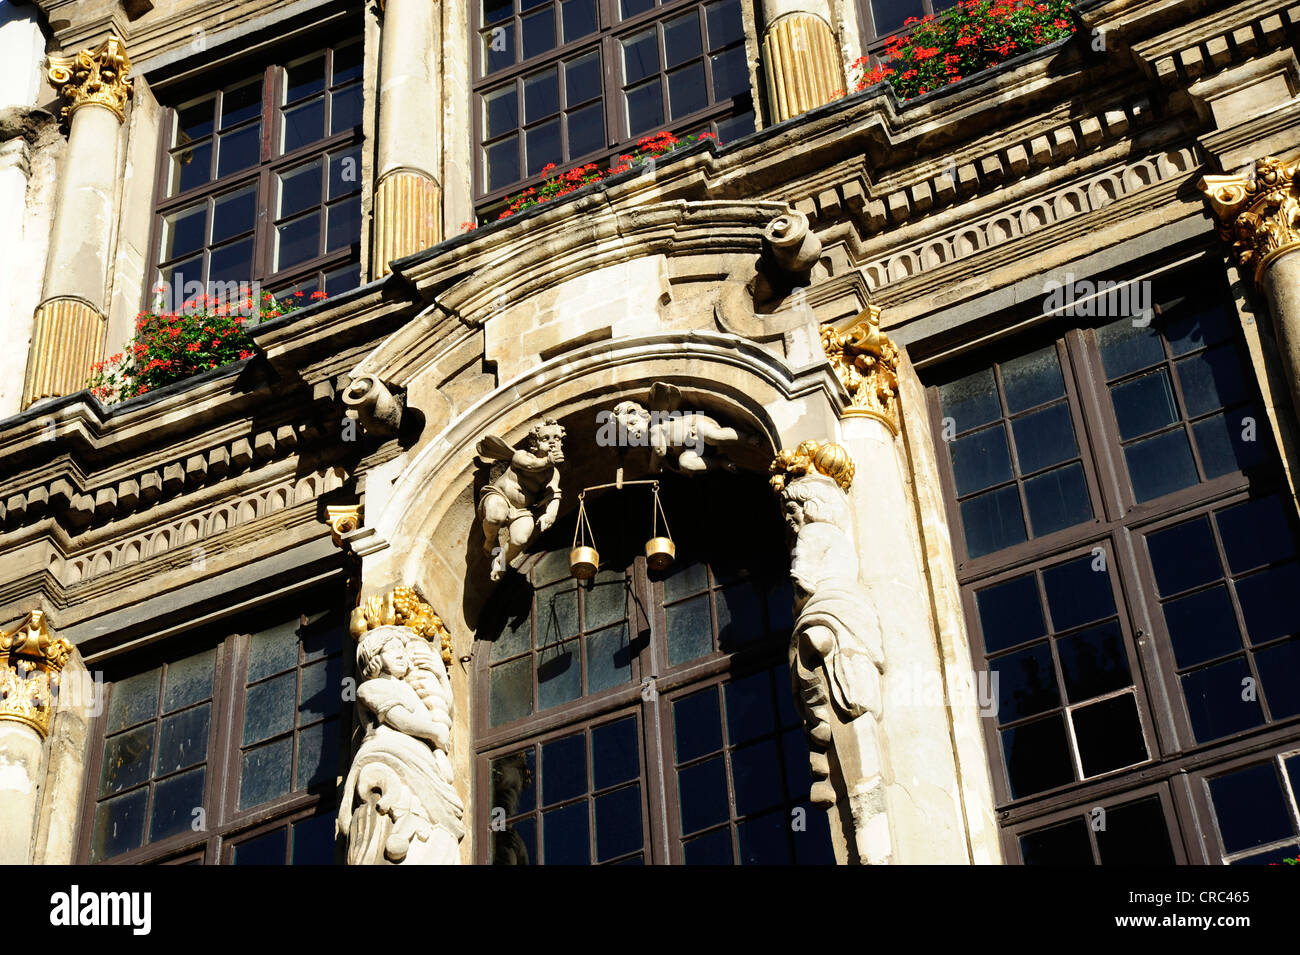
(1070, 203)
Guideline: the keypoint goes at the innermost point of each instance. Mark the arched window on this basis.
(646, 717)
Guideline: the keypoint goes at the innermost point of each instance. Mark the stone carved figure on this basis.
(400, 804)
(837, 649)
(525, 499)
(677, 439)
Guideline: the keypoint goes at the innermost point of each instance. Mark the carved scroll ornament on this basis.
(98, 77)
(1258, 211)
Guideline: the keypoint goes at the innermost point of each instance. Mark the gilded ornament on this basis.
(1258, 211)
(30, 662)
(99, 76)
(813, 457)
(343, 519)
(866, 362)
(402, 607)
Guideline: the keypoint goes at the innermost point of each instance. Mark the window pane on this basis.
(687, 91)
(1229, 442)
(184, 231)
(1010, 613)
(685, 579)
(1037, 756)
(345, 109)
(578, 18)
(697, 725)
(241, 103)
(1196, 322)
(1063, 844)
(559, 674)
(269, 708)
(128, 760)
(891, 14)
(273, 650)
(539, 32)
(756, 775)
(499, 47)
(1026, 683)
(543, 146)
(299, 189)
(133, 700)
(502, 161)
(1268, 602)
(557, 612)
(297, 241)
(347, 63)
(232, 263)
(1217, 701)
(566, 835)
(740, 616)
(682, 39)
(1202, 626)
(1211, 380)
(690, 630)
(304, 124)
(586, 130)
(702, 794)
(711, 849)
(313, 841)
(992, 521)
(269, 849)
(724, 23)
(266, 773)
(321, 690)
(1057, 499)
(1032, 379)
(632, 7)
(234, 214)
(1136, 833)
(500, 111)
(618, 823)
(1160, 465)
(1184, 556)
(541, 95)
(730, 74)
(344, 225)
(1250, 807)
(614, 752)
(1126, 347)
(749, 708)
(609, 659)
(342, 280)
(1094, 662)
(1255, 533)
(1078, 592)
(1109, 735)
(304, 79)
(494, 10)
(345, 172)
(318, 754)
(184, 740)
(640, 56)
(981, 460)
(119, 825)
(190, 167)
(1044, 438)
(195, 121)
(1144, 404)
(239, 150)
(582, 79)
(763, 841)
(971, 401)
(511, 691)
(645, 108)
(174, 802)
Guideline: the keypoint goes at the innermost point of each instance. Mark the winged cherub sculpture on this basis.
(525, 499)
(675, 438)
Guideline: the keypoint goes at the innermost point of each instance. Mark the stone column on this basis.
(408, 190)
(68, 330)
(922, 791)
(30, 662)
(801, 59)
(1259, 213)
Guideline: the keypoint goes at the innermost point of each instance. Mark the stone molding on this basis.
(1213, 42)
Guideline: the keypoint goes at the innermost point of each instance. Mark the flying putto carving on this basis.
(525, 499)
(676, 438)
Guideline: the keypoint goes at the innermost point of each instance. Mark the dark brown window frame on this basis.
(271, 64)
(226, 825)
(610, 29)
(1177, 760)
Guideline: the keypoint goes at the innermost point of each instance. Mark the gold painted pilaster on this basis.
(802, 64)
(67, 338)
(866, 362)
(408, 217)
(30, 662)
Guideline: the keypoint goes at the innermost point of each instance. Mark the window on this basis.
(1125, 542)
(643, 717)
(261, 180)
(568, 81)
(883, 18)
(174, 783)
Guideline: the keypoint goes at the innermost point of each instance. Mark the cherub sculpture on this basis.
(400, 804)
(525, 499)
(677, 439)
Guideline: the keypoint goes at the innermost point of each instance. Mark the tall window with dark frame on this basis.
(569, 81)
(642, 717)
(260, 180)
(1127, 548)
(224, 749)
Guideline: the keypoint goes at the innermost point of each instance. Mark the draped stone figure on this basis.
(836, 652)
(400, 804)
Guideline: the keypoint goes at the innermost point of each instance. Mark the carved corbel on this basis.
(791, 248)
(866, 363)
(765, 301)
(1258, 211)
(94, 77)
(375, 407)
(31, 660)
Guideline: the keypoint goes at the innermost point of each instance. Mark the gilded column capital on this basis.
(402, 607)
(1258, 211)
(866, 362)
(812, 457)
(100, 76)
(31, 659)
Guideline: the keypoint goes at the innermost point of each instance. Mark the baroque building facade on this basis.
(880, 482)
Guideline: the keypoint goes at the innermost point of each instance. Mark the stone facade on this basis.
(924, 231)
